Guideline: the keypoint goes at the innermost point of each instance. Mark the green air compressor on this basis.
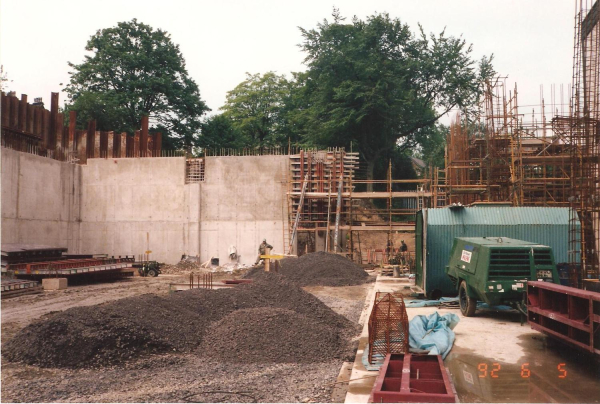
(495, 270)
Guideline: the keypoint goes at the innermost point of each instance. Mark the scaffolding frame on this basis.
(504, 155)
(323, 170)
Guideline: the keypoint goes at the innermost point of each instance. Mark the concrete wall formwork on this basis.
(40, 200)
(243, 202)
(134, 205)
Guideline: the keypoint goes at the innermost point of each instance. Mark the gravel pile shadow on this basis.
(318, 269)
(110, 333)
(272, 335)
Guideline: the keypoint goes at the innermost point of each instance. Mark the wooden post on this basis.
(82, 146)
(45, 128)
(90, 139)
(123, 148)
(157, 144)
(338, 211)
(103, 144)
(5, 109)
(72, 138)
(117, 145)
(136, 144)
(38, 114)
(29, 123)
(52, 134)
(144, 137)
(65, 140)
(58, 131)
(14, 112)
(110, 145)
(129, 148)
(23, 113)
(97, 145)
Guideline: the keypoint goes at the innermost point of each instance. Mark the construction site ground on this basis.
(495, 358)
(166, 377)
(495, 339)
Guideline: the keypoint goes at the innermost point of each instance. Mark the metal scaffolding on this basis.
(548, 158)
(584, 136)
(325, 193)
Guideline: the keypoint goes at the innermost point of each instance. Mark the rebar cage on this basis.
(388, 326)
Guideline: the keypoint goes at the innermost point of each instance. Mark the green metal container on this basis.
(437, 228)
(495, 270)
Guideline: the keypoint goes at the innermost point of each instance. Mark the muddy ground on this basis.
(171, 377)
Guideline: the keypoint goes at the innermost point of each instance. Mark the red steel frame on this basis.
(66, 264)
(412, 378)
(568, 314)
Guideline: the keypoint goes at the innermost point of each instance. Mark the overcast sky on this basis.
(532, 40)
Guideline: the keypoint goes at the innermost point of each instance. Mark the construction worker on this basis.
(262, 250)
(403, 251)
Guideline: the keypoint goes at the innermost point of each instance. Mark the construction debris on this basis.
(318, 269)
(182, 267)
(186, 266)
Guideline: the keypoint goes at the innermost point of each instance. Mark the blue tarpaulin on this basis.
(433, 333)
(428, 303)
(427, 334)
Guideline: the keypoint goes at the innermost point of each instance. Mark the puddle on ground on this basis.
(549, 372)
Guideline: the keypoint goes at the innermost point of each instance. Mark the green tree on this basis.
(136, 70)
(376, 84)
(218, 131)
(257, 108)
(432, 145)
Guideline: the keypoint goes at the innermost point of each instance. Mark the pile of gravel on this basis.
(318, 269)
(110, 333)
(182, 267)
(268, 335)
(106, 334)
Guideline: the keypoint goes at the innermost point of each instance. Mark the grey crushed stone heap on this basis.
(272, 335)
(110, 333)
(318, 269)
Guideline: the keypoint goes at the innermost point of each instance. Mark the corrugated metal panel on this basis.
(542, 225)
(497, 215)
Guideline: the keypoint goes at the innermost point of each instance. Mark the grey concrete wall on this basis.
(40, 200)
(130, 205)
(133, 205)
(242, 203)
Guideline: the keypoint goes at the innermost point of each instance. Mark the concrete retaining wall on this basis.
(40, 200)
(130, 205)
(242, 203)
(133, 205)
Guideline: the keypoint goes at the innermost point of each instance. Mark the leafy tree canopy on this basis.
(431, 144)
(136, 70)
(376, 84)
(257, 109)
(219, 131)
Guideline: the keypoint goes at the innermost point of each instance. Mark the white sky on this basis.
(532, 40)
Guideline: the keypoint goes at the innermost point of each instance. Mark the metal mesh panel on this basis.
(194, 171)
(388, 326)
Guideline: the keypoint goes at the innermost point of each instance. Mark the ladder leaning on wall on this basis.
(298, 212)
